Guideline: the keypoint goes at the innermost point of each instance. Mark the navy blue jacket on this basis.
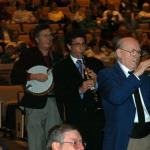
(118, 104)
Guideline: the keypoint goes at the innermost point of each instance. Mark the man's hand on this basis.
(86, 85)
(142, 67)
(39, 76)
(90, 74)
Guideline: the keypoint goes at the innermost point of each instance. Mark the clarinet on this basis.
(93, 89)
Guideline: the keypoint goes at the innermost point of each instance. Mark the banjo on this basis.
(39, 88)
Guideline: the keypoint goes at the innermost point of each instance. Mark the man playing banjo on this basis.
(33, 70)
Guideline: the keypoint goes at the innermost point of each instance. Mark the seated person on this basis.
(114, 14)
(145, 12)
(130, 20)
(21, 15)
(55, 14)
(81, 14)
(74, 6)
(145, 39)
(8, 35)
(100, 51)
(5, 34)
(64, 137)
(11, 54)
(15, 37)
(5, 16)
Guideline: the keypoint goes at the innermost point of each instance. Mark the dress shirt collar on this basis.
(75, 59)
(124, 69)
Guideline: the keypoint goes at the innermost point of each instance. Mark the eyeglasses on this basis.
(47, 35)
(79, 44)
(133, 51)
(75, 143)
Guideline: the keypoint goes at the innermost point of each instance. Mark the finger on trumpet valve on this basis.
(88, 73)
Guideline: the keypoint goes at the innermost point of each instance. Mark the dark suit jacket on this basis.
(29, 58)
(79, 112)
(119, 108)
(67, 81)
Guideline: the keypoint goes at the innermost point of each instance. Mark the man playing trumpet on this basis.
(73, 89)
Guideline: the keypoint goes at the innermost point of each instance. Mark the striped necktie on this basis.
(80, 66)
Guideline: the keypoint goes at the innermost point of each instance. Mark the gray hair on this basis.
(56, 134)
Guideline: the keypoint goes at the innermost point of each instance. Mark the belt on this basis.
(140, 130)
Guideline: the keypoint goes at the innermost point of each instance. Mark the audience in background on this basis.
(99, 15)
(54, 14)
(5, 16)
(15, 38)
(9, 36)
(134, 4)
(96, 8)
(104, 26)
(59, 43)
(81, 14)
(74, 6)
(11, 54)
(5, 34)
(145, 39)
(145, 12)
(41, 16)
(33, 5)
(13, 2)
(115, 14)
(129, 20)
(21, 15)
(124, 5)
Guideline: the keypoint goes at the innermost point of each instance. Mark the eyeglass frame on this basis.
(75, 143)
(79, 44)
(132, 52)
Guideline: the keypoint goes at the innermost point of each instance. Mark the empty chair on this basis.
(144, 26)
(5, 70)
(9, 95)
(10, 9)
(25, 38)
(27, 27)
(14, 26)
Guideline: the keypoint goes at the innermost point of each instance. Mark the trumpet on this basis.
(88, 76)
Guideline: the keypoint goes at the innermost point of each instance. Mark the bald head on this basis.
(128, 52)
(123, 42)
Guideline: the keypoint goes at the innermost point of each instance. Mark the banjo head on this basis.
(37, 87)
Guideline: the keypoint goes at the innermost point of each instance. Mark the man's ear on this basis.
(118, 52)
(69, 46)
(37, 40)
(55, 145)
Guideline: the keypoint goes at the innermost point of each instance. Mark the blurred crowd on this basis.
(103, 23)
